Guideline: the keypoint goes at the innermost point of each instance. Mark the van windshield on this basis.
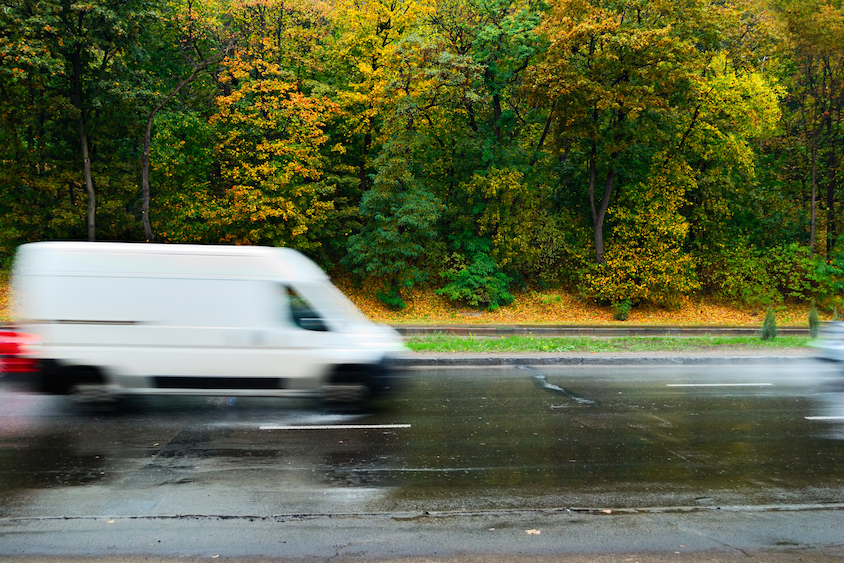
(332, 304)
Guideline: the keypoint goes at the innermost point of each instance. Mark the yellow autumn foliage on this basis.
(645, 259)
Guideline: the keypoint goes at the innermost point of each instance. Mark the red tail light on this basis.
(13, 345)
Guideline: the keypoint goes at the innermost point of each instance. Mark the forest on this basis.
(629, 151)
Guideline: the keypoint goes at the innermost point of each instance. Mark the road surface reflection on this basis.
(466, 439)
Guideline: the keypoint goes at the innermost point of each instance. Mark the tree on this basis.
(368, 33)
(75, 62)
(270, 141)
(196, 33)
(646, 257)
(816, 100)
(617, 75)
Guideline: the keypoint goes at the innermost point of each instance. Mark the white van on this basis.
(140, 318)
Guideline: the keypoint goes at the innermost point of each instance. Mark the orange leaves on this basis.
(269, 132)
(558, 308)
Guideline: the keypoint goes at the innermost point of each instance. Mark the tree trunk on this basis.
(83, 142)
(89, 181)
(599, 213)
(362, 171)
(145, 180)
(814, 180)
(831, 219)
(148, 234)
(597, 228)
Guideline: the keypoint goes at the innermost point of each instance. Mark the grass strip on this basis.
(525, 344)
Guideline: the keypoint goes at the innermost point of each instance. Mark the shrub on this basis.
(737, 274)
(828, 276)
(621, 309)
(392, 299)
(769, 325)
(790, 269)
(477, 283)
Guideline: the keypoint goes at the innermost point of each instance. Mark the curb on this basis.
(441, 361)
(589, 330)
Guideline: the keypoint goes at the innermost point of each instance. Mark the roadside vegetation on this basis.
(444, 343)
(545, 309)
(557, 307)
(637, 155)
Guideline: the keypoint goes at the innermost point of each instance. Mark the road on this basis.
(684, 459)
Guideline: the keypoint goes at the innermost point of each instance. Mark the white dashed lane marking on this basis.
(719, 384)
(334, 427)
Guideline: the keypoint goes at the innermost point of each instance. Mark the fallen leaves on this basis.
(560, 308)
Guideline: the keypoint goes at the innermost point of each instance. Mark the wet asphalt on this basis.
(702, 530)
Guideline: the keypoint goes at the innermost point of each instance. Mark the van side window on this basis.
(304, 316)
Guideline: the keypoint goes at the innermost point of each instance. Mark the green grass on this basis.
(526, 344)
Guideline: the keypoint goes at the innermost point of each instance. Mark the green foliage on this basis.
(769, 325)
(689, 137)
(550, 299)
(477, 283)
(646, 260)
(391, 298)
(745, 275)
(399, 216)
(737, 274)
(828, 276)
(621, 309)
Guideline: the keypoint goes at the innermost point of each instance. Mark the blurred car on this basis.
(830, 342)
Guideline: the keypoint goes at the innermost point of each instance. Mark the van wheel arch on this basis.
(63, 380)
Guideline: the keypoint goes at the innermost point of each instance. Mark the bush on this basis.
(645, 258)
(769, 325)
(828, 276)
(392, 299)
(791, 270)
(737, 274)
(477, 283)
(621, 309)
(638, 275)
(745, 275)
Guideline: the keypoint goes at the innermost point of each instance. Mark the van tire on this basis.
(65, 380)
(351, 384)
(345, 394)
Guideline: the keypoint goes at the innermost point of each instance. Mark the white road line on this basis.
(824, 418)
(333, 427)
(718, 384)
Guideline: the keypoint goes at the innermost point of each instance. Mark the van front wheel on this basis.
(351, 384)
(345, 394)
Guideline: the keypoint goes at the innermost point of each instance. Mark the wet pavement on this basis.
(598, 454)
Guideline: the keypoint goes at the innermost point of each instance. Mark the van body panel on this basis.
(190, 319)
